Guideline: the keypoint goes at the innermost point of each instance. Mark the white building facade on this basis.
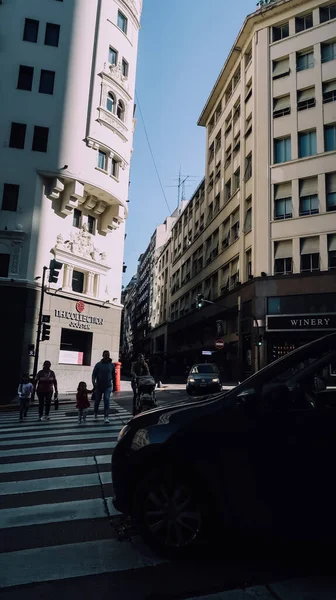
(67, 124)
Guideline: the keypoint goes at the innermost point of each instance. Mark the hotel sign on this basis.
(299, 323)
(78, 320)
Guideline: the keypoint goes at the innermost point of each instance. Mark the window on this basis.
(331, 191)
(52, 32)
(227, 157)
(248, 263)
(332, 251)
(77, 218)
(248, 215)
(330, 137)
(30, 32)
(124, 67)
(217, 204)
(282, 150)
(79, 344)
(110, 102)
(248, 167)
(78, 282)
(328, 52)
(280, 68)
(281, 106)
(17, 135)
(327, 13)
(248, 125)
(227, 190)
(305, 60)
(102, 160)
(283, 208)
(309, 202)
(248, 57)
(234, 235)
(47, 80)
(25, 79)
(4, 264)
(283, 200)
(248, 90)
(329, 91)
(122, 22)
(310, 254)
(113, 56)
(120, 110)
(115, 168)
(236, 180)
(10, 196)
(283, 262)
(280, 32)
(306, 98)
(91, 225)
(218, 141)
(303, 23)
(40, 139)
(307, 143)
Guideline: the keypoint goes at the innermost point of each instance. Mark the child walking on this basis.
(25, 391)
(82, 401)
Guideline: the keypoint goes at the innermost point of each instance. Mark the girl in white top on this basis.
(25, 391)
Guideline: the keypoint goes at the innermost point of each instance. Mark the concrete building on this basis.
(128, 300)
(260, 240)
(67, 123)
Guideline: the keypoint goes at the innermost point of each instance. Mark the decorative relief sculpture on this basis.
(81, 244)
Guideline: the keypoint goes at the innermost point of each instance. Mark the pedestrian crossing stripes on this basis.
(56, 496)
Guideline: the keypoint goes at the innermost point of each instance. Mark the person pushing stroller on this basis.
(138, 369)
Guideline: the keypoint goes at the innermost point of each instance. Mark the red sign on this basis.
(80, 306)
(219, 344)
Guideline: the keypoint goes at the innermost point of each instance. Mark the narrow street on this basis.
(58, 525)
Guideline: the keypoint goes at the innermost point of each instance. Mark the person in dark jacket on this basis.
(138, 368)
(104, 382)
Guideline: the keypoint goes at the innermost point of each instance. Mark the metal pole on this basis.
(39, 325)
(258, 347)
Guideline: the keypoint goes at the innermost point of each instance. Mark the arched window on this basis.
(110, 102)
(121, 110)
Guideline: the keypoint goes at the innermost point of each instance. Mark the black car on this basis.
(259, 457)
(203, 379)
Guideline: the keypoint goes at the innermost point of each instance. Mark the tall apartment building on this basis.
(66, 122)
(260, 240)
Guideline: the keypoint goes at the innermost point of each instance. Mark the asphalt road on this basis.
(58, 535)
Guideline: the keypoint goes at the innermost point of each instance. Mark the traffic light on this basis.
(199, 301)
(45, 332)
(54, 267)
(260, 340)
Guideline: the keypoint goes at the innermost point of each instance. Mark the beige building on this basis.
(260, 236)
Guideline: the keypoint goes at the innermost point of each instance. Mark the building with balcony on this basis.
(259, 237)
(67, 123)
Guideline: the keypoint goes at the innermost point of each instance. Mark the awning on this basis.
(283, 190)
(281, 103)
(310, 245)
(280, 67)
(329, 86)
(309, 186)
(332, 243)
(283, 249)
(306, 94)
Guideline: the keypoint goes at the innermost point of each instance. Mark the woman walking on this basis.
(45, 384)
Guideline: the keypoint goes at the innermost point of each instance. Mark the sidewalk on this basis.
(317, 588)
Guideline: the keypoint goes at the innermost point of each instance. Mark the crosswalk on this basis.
(56, 498)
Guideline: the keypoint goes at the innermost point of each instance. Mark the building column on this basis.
(67, 281)
(90, 284)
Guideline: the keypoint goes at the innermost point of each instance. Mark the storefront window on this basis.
(273, 306)
(76, 347)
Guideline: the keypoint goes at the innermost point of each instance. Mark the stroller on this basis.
(145, 399)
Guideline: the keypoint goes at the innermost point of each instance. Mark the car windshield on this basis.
(204, 369)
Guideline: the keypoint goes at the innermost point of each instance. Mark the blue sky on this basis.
(183, 45)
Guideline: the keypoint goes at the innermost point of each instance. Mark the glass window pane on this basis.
(52, 34)
(101, 159)
(331, 201)
(330, 138)
(78, 282)
(112, 56)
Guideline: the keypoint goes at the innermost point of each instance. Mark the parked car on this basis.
(203, 379)
(260, 457)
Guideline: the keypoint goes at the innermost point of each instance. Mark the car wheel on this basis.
(170, 513)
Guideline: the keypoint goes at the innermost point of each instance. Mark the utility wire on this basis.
(150, 149)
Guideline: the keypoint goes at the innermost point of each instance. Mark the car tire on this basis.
(171, 515)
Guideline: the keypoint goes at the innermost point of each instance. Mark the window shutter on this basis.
(280, 67)
(308, 187)
(283, 249)
(282, 103)
(329, 86)
(283, 190)
(306, 94)
(332, 243)
(310, 245)
(331, 183)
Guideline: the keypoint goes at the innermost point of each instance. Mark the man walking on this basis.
(103, 381)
